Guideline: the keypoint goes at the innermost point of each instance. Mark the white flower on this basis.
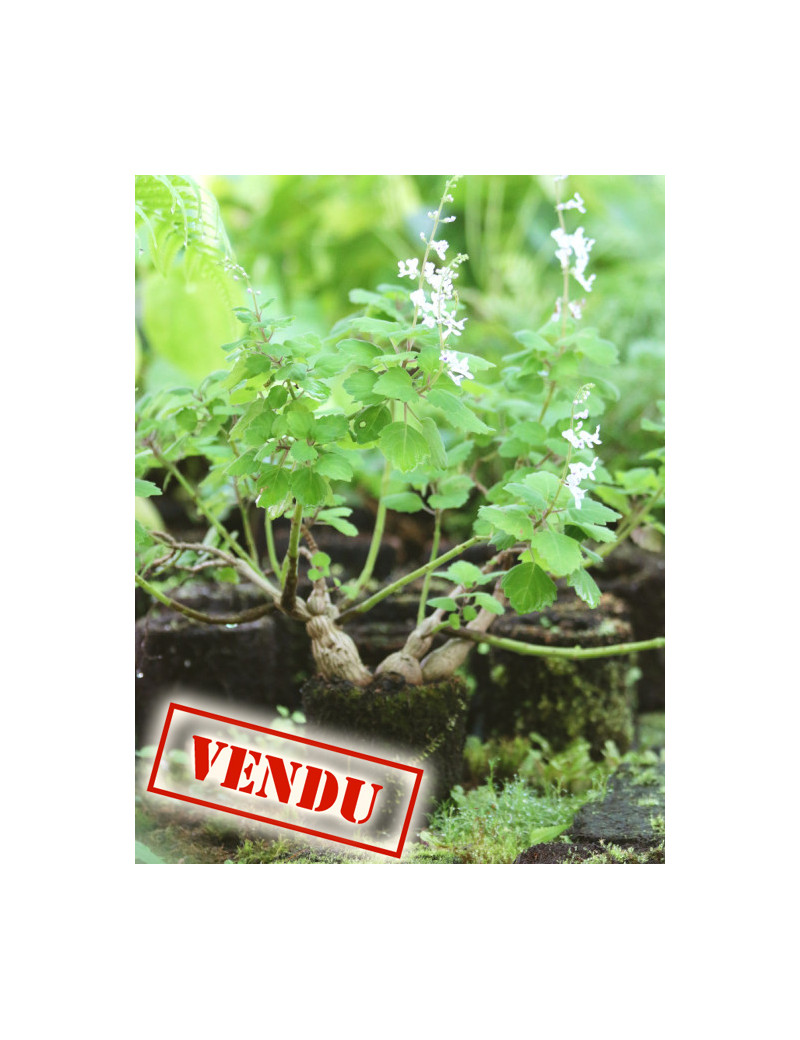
(574, 203)
(408, 268)
(439, 247)
(418, 297)
(457, 367)
(580, 438)
(576, 245)
(579, 471)
(576, 309)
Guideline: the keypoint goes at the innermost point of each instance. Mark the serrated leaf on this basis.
(359, 385)
(245, 464)
(143, 539)
(530, 496)
(488, 602)
(395, 383)
(509, 519)
(273, 486)
(334, 466)
(592, 512)
(558, 552)
(404, 502)
(335, 518)
(355, 352)
(585, 587)
(463, 573)
(146, 488)
(533, 341)
(308, 487)
(528, 588)
(430, 431)
(403, 446)
(375, 326)
(458, 414)
(302, 452)
(367, 425)
(329, 428)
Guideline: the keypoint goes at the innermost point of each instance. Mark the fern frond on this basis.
(177, 218)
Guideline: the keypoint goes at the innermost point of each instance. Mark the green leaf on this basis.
(368, 424)
(542, 835)
(308, 487)
(443, 603)
(458, 415)
(529, 495)
(592, 512)
(588, 343)
(585, 587)
(403, 446)
(146, 488)
(374, 326)
(510, 519)
(245, 464)
(334, 466)
(335, 518)
(430, 431)
(488, 602)
(274, 487)
(559, 553)
(355, 352)
(404, 502)
(595, 531)
(528, 588)
(397, 384)
(144, 854)
(359, 385)
(302, 452)
(143, 539)
(299, 420)
(533, 341)
(452, 492)
(329, 428)
(463, 573)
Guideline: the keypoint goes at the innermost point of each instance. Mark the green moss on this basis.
(427, 721)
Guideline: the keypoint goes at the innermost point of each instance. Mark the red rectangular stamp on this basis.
(319, 789)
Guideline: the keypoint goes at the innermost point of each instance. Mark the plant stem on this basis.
(437, 530)
(289, 573)
(420, 572)
(248, 530)
(630, 522)
(196, 615)
(187, 487)
(273, 556)
(574, 652)
(377, 534)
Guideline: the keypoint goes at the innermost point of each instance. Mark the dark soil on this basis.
(557, 698)
(253, 663)
(426, 723)
(637, 578)
(592, 852)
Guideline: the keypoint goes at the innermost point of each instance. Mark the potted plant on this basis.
(293, 419)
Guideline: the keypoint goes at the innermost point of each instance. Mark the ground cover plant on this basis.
(397, 397)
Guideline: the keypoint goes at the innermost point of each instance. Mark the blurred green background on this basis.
(308, 240)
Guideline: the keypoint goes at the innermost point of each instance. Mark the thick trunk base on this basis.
(425, 724)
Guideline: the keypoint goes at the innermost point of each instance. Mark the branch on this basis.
(197, 615)
(241, 566)
(420, 572)
(573, 652)
(289, 595)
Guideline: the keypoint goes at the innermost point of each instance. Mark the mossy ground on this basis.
(520, 794)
